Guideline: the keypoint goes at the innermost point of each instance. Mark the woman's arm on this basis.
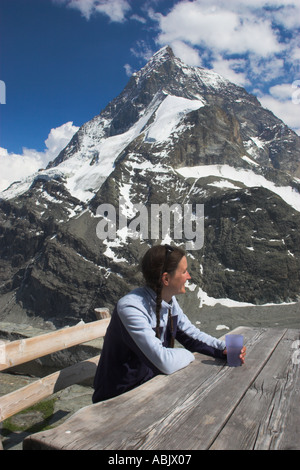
(138, 325)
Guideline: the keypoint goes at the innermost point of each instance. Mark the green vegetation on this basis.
(44, 411)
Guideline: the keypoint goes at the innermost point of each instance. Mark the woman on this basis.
(139, 342)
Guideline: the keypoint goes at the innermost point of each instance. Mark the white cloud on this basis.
(187, 53)
(265, 70)
(114, 9)
(282, 92)
(280, 101)
(289, 16)
(57, 139)
(220, 28)
(128, 70)
(253, 44)
(15, 167)
(142, 50)
(234, 30)
(230, 69)
(138, 18)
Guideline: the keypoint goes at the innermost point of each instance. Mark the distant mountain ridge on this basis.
(174, 134)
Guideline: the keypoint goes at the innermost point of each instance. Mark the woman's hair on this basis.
(158, 260)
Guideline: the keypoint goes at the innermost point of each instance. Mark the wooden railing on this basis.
(24, 350)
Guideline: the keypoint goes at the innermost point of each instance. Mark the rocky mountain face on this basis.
(175, 135)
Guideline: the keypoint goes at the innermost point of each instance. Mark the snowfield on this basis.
(247, 177)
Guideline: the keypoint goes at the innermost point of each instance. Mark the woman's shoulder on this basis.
(136, 305)
(140, 296)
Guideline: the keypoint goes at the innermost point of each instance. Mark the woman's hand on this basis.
(242, 355)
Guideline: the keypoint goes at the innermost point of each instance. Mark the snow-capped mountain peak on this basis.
(155, 104)
(178, 137)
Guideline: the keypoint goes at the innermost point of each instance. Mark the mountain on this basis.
(177, 137)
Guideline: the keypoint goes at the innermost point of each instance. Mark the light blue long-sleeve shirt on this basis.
(132, 354)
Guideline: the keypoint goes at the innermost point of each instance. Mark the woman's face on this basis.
(174, 283)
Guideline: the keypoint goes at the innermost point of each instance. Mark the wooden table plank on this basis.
(196, 423)
(268, 417)
(111, 423)
(185, 410)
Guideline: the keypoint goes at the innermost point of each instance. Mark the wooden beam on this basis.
(102, 313)
(24, 350)
(27, 396)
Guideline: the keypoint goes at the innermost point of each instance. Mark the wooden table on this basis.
(207, 405)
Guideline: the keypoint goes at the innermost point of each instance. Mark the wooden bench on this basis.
(24, 350)
(206, 405)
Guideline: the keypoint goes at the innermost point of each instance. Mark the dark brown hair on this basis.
(158, 260)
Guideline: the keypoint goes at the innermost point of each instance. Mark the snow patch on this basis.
(168, 115)
(223, 184)
(222, 327)
(246, 177)
(205, 299)
(249, 160)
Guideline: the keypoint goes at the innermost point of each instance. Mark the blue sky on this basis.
(62, 61)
